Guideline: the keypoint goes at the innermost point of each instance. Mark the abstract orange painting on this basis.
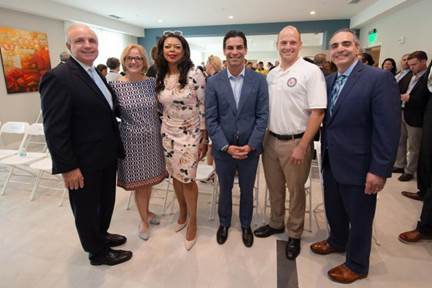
(25, 58)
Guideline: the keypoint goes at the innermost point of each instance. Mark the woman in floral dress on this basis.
(184, 136)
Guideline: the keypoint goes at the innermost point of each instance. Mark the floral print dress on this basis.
(182, 122)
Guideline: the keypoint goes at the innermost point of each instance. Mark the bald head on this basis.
(289, 45)
(82, 42)
(290, 29)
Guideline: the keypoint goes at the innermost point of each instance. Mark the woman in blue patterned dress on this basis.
(144, 165)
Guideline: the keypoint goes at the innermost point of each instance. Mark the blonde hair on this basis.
(215, 62)
(126, 52)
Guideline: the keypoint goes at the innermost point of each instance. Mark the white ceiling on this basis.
(170, 13)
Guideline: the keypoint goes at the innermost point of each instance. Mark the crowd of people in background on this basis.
(173, 114)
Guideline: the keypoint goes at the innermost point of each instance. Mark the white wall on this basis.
(413, 22)
(26, 106)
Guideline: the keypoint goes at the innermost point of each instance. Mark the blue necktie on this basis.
(101, 85)
(337, 87)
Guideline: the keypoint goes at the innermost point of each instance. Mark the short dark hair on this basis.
(348, 30)
(232, 34)
(113, 63)
(366, 57)
(420, 55)
(101, 67)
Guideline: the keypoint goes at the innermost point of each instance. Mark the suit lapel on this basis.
(228, 93)
(81, 73)
(350, 82)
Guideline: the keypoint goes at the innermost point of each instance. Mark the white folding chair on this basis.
(308, 192)
(205, 173)
(12, 128)
(24, 157)
(44, 167)
(256, 191)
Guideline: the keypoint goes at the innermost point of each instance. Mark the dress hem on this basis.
(137, 184)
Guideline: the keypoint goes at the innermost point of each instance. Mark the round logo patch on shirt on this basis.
(291, 82)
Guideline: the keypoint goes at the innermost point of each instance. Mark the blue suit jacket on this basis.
(363, 134)
(227, 125)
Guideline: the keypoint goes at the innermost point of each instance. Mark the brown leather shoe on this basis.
(412, 195)
(412, 236)
(343, 274)
(323, 248)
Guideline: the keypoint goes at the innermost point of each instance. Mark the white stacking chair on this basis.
(21, 159)
(205, 173)
(256, 191)
(315, 165)
(44, 167)
(12, 128)
(308, 192)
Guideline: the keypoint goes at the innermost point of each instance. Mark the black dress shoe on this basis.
(292, 249)
(222, 234)
(266, 231)
(111, 257)
(398, 170)
(247, 237)
(114, 240)
(405, 177)
(413, 195)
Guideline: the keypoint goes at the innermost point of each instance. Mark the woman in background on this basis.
(389, 64)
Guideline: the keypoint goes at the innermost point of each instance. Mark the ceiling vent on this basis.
(115, 16)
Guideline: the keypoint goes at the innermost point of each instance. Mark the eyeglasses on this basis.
(169, 33)
(137, 58)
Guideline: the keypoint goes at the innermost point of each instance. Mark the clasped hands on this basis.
(239, 152)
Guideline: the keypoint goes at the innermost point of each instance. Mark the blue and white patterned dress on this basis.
(140, 126)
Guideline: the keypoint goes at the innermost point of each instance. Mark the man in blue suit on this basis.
(236, 115)
(359, 143)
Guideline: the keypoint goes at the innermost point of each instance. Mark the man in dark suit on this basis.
(414, 96)
(359, 142)
(236, 116)
(84, 141)
(424, 175)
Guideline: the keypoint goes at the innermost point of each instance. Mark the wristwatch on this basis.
(225, 148)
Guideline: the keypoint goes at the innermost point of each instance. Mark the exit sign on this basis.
(372, 36)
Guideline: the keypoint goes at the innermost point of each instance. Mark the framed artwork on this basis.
(25, 58)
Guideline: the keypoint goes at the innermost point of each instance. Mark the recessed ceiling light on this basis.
(160, 20)
(230, 17)
(312, 12)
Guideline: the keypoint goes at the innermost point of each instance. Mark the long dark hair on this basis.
(162, 65)
(393, 70)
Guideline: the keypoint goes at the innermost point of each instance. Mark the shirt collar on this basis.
(418, 75)
(84, 66)
(242, 74)
(348, 71)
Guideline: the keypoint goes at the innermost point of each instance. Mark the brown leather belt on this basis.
(286, 137)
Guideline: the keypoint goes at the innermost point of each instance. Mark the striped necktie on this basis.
(337, 87)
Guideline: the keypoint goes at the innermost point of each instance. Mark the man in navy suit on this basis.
(359, 143)
(236, 116)
(83, 138)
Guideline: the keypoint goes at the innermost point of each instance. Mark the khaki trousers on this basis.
(279, 174)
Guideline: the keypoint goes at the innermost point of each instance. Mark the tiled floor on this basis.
(39, 247)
